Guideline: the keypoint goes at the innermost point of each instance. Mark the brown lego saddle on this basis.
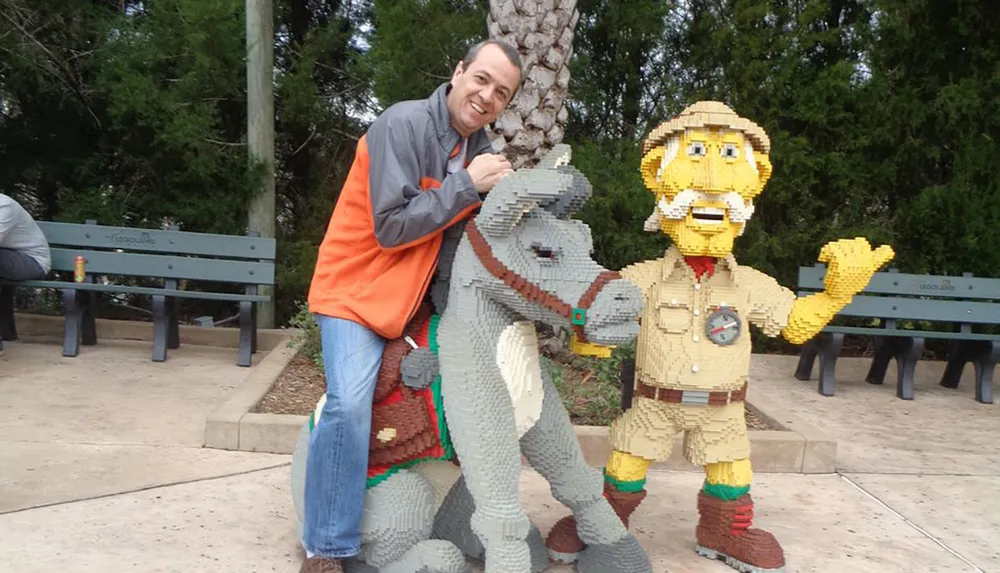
(408, 424)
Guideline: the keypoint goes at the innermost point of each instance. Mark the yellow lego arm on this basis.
(810, 314)
(850, 265)
(643, 274)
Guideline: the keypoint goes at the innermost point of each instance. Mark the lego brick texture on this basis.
(522, 259)
(526, 263)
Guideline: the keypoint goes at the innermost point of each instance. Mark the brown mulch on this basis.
(296, 390)
(755, 422)
(301, 384)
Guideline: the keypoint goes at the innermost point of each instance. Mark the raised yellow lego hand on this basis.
(850, 265)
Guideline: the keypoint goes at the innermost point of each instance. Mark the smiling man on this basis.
(421, 167)
(692, 359)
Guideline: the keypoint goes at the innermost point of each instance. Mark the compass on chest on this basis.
(723, 326)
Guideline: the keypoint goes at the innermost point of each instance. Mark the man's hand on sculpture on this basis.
(419, 368)
(485, 170)
(850, 266)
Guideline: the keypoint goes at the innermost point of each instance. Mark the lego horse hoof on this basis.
(622, 556)
(564, 544)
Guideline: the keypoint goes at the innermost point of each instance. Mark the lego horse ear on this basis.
(649, 167)
(517, 194)
(559, 155)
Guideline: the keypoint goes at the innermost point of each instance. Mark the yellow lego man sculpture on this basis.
(705, 166)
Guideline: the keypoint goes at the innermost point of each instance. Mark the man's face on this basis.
(481, 91)
(704, 181)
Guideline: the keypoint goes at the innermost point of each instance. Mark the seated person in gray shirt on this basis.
(24, 250)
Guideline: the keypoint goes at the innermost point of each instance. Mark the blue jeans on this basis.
(337, 465)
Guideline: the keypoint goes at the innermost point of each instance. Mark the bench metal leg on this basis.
(983, 355)
(253, 333)
(958, 355)
(160, 328)
(827, 346)
(986, 362)
(71, 322)
(829, 349)
(884, 352)
(247, 328)
(909, 353)
(807, 357)
(8, 330)
(88, 321)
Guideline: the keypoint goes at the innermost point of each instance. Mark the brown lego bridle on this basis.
(577, 315)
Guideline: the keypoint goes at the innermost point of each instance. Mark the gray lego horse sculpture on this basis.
(521, 259)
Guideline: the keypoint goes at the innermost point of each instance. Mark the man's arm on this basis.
(403, 213)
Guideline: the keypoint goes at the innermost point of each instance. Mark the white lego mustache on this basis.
(678, 208)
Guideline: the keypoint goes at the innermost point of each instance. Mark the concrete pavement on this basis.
(102, 469)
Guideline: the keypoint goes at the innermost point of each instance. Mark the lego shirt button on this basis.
(695, 338)
(694, 368)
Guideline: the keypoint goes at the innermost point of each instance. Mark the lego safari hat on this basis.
(710, 114)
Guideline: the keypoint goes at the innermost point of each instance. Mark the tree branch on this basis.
(62, 72)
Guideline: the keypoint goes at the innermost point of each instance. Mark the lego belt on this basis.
(694, 397)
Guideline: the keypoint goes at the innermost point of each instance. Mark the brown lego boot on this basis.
(563, 541)
(724, 532)
(624, 503)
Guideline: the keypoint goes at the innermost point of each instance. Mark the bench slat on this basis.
(166, 266)
(938, 310)
(157, 240)
(979, 288)
(126, 289)
(874, 331)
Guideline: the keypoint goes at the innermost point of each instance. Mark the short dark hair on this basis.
(510, 51)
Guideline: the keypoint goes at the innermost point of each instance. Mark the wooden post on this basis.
(260, 126)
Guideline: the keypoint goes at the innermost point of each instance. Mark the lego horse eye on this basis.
(544, 252)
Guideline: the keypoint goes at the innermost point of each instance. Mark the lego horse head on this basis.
(536, 262)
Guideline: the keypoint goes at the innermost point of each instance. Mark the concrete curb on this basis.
(51, 327)
(798, 448)
(231, 426)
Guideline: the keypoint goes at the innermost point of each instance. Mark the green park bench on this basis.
(164, 256)
(931, 307)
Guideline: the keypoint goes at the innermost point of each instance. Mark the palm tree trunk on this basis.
(542, 31)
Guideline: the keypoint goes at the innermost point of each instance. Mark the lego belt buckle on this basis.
(723, 326)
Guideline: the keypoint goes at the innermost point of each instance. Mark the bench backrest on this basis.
(161, 253)
(901, 296)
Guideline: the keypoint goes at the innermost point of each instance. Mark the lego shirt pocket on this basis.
(674, 312)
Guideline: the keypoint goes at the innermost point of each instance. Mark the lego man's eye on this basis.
(696, 149)
(730, 151)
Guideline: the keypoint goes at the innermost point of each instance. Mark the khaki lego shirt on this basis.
(674, 349)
